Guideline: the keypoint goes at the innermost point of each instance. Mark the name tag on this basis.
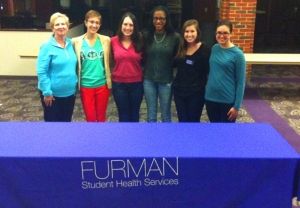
(190, 62)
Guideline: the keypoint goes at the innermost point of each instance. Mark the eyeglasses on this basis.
(161, 19)
(222, 33)
(94, 22)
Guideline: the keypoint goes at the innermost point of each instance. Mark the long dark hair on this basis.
(168, 24)
(136, 35)
(182, 48)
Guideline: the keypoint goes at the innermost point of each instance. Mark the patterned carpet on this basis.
(277, 85)
(19, 101)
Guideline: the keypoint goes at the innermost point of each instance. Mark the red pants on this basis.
(94, 102)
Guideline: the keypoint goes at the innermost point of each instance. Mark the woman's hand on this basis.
(232, 114)
(48, 100)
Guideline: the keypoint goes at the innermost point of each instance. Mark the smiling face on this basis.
(223, 35)
(92, 24)
(159, 21)
(60, 27)
(127, 26)
(190, 34)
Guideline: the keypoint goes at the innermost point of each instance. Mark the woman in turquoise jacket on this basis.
(56, 70)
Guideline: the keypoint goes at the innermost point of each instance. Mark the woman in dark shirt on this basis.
(161, 43)
(192, 70)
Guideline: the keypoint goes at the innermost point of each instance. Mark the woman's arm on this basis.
(44, 82)
(240, 78)
(43, 64)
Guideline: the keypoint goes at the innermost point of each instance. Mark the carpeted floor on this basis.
(19, 101)
(272, 95)
(276, 86)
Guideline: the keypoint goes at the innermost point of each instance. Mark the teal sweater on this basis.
(56, 69)
(227, 76)
(160, 57)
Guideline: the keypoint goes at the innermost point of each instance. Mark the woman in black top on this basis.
(192, 70)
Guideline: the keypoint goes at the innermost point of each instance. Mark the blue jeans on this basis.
(128, 98)
(189, 108)
(153, 91)
(217, 112)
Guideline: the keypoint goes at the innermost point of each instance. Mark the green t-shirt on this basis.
(92, 65)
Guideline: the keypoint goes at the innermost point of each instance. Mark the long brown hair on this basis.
(136, 36)
(182, 48)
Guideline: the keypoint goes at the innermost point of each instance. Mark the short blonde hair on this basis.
(57, 15)
(91, 14)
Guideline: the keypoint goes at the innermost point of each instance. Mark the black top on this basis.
(192, 72)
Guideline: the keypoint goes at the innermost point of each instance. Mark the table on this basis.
(144, 165)
(30, 54)
(272, 58)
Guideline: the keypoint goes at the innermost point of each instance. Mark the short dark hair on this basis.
(168, 24)
(226, 23)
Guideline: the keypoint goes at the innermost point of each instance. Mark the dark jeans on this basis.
(189, 109)
(61, 109)
(296, 181)
(128, 98)
(217, 112)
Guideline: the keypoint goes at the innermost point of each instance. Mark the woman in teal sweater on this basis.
(227, 75)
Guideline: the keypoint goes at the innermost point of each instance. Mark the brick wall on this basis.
(242, 14)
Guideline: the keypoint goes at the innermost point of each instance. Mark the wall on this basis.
(242, 14)
(206, 14)
(14, 43)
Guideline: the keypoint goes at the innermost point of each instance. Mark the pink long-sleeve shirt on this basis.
(127, 67)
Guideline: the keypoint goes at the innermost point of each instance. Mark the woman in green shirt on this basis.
(93, 51)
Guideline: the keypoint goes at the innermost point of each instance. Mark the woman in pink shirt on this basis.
(127, 72)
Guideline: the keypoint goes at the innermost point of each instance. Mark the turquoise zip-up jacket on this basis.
(56, 69)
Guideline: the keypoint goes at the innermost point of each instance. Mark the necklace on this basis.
(161, 40)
